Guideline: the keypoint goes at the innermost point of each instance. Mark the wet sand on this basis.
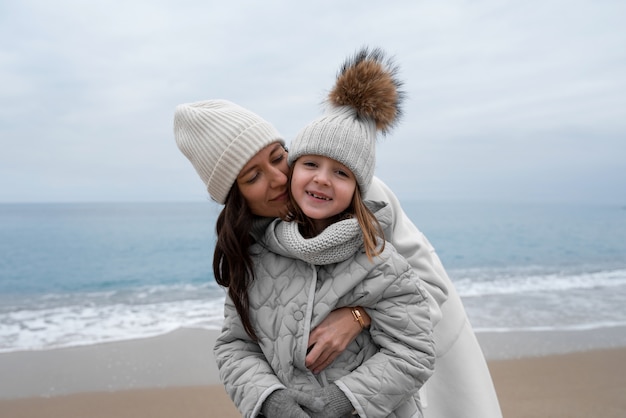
(537, 374)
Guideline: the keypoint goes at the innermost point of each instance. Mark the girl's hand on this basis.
(332, 336)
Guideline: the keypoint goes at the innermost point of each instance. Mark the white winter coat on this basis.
(461, 386)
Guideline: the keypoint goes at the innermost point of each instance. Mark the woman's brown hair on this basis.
(232, 265)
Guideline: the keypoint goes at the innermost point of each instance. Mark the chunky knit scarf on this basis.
(336, 243)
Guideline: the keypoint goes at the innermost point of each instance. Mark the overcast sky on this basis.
(514, 100)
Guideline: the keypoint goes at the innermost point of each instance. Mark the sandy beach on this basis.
(537, 374)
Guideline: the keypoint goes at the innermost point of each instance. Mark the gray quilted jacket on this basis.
(297, 283)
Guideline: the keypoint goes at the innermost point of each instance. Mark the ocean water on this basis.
(79, 274)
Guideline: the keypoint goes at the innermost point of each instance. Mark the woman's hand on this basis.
(332, 336)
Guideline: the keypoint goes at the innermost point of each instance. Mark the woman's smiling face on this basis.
(263, 181)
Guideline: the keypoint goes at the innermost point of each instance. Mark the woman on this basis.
(242, 161)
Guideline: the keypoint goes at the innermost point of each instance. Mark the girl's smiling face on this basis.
(322, 188)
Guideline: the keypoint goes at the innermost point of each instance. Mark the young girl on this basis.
(331, 253)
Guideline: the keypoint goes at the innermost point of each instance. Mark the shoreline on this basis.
(177, 359)
(536, 373)
(527, 344)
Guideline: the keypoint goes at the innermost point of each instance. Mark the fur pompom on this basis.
(368, 83)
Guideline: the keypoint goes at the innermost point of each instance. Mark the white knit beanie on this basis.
(219, 138)
(366, 99)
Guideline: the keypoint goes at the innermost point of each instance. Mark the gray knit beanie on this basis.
(366, 99)
(219, 138)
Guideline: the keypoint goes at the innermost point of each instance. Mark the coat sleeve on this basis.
(402, 329)
(413, 245)
(244, 370)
